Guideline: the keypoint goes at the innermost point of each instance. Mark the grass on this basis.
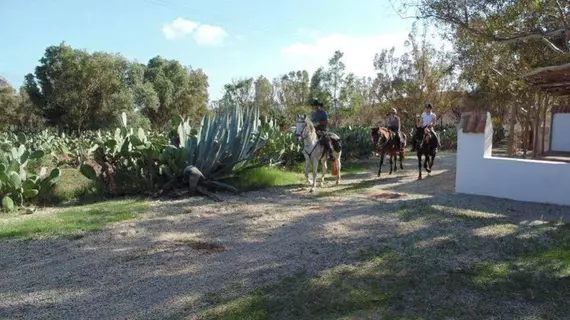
(442, 271)
(72, 222)
(265, 177)
(73, 186)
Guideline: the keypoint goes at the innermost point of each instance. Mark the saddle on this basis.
(331, 135)
(334, 139)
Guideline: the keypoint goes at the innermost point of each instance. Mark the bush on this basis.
(356, 142)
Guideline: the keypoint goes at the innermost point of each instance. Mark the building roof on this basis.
(554, 80)
(561, 108)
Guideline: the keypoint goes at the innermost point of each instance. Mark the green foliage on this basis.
(448, 136)
(72, 222)
(20, 186)
(356, 142)
(282, 146)
(265, 177)
(197, 159)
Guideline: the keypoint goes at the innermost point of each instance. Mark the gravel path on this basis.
(183, 255)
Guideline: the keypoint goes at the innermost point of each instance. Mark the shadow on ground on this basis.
(349, 256)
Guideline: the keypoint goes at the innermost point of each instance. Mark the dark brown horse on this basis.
(425, 145)
(384, 143)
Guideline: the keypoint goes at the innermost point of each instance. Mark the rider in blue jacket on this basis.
(321, 120)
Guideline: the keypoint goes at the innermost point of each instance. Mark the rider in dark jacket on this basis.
(321, 120)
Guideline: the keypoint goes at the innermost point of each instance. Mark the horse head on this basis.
(304, 128)
(423, 134)
(374, 132)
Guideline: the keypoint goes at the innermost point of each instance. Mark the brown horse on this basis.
(384, 143)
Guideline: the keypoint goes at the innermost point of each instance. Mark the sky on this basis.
(227, 39)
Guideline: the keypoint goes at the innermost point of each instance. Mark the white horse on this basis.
(314, 152)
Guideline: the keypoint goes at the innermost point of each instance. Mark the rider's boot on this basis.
(331, 150)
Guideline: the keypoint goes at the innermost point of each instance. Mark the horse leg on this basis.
(381, 163)
(324, 171)
(402, 160)
(337, 157)
(432, 159)
(307, 164)
(419, 165)
(391, 163)
(315, 169)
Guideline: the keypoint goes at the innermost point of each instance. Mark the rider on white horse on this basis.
(321, 120)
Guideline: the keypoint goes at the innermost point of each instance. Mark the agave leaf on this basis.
(223, 185)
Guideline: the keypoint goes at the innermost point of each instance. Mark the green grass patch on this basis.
(265, 177)
(351, 167)
(71, 222)
(73, 186)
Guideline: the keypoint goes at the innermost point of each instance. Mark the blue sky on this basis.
(227, 39)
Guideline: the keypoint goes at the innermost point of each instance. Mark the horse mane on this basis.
(311, 128)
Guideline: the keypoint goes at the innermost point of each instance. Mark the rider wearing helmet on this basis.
(321, 120)
(428, 120)
(393, 123)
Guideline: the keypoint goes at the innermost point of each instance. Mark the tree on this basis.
(292, 94)
(76, 90)
(318, 89)
(8, 104)
(179, 90)
(542, 23)
(240, 92)
(423, 74)
(264, 92)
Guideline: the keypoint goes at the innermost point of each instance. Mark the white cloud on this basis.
(203, 34)
(358, 51)
(178, 28)
(207, 35)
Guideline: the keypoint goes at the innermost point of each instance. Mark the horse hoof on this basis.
(312, 190)
(420, 178)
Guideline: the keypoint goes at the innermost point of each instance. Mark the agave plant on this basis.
(223, 145)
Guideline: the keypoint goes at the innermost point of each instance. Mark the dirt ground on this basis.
(182, 256)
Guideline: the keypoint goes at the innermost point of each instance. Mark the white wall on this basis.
(561, 132)
(518, 179)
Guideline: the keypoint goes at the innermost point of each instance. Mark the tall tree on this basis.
(264, 92)
(8, 104)
(318, 88)
(76, 90)
(240, 92)
(179, 90)
(292, 94)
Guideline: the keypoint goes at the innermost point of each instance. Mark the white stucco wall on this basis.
(518, 179)
(561, 132)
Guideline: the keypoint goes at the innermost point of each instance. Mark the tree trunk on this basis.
(512, 123)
